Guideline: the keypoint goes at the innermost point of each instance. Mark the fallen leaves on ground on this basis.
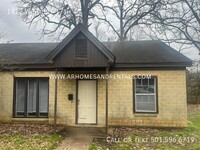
(27, 128)
(28, 136)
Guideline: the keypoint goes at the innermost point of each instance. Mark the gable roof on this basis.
(80, 29)
(132, 54)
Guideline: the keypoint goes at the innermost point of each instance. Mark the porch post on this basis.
(55, 102)
(106, 104)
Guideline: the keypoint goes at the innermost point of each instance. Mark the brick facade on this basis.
(171, 99)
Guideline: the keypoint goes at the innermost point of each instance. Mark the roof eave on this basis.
(152, 65)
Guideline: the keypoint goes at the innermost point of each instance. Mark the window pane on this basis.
(31, 97)
(139, 89)
(146, 87)
(145, 82)
(139, 98)
(145, 103)
(150, 89)
(145, 107)
(138, 82)
(151, 81)
(32, 91)
(43, 97)
(151, 99)
(20, 96)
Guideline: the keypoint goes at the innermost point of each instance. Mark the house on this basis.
(83, 82)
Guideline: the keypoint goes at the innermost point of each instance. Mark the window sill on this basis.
(30, 119)
(145, 115)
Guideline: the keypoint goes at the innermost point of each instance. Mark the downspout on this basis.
(55, 102)
(107, 103)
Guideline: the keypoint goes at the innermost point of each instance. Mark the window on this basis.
(145, 95)
(81, 49)
(31, 97)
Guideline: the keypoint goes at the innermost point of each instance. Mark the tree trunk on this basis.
(85, 13)
(121, 38)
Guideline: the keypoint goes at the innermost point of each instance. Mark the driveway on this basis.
(79, 138)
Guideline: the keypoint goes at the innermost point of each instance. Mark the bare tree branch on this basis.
(129, 13)
(57, 15)
(180, 19)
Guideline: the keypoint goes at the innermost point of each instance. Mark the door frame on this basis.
(76, 115)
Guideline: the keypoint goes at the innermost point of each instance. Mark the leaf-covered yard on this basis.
(156, 139)
(21, 136)
(27, 137)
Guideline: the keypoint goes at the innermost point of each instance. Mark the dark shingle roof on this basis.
(145, 52)
(136, 52)
(26, 53)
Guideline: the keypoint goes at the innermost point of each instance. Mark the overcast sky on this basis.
(13, 26)
(20, 32)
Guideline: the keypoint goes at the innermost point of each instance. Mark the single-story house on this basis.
(83, 82)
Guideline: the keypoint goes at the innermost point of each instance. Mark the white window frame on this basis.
(146, 94)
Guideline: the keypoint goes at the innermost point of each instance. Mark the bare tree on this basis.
(128, 13)
(193, 83)
(177, 21)
(168, 20)
(2, 35)
(4, 38)
(56, 15)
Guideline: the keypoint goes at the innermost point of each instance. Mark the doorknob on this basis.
(78, 100)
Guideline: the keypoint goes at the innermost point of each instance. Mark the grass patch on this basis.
(29, 142)
(164, 139)
(93, 147)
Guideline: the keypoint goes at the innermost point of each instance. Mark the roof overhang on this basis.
(154, 65)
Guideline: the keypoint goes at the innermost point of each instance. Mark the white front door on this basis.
(87, 99)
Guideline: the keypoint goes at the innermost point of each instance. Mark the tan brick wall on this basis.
(171, 99)
(6, 95)
(66, 109)
(6, 92)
